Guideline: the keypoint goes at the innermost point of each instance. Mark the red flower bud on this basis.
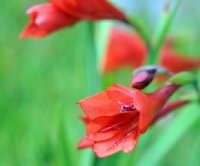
(143, 78)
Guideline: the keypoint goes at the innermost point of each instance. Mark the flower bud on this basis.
(143, 78)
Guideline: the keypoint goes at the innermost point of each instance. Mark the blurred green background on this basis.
(40, 81)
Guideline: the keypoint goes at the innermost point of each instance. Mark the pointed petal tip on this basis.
(85, 143)
(78, 102)
(23, 35)
(100, 155)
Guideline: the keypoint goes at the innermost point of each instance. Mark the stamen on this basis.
(127, 108)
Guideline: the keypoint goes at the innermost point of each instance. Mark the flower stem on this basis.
(142, 31)
(92, 78)
(90, 54)
(163, 28)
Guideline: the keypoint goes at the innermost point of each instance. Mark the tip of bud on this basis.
(143, 78)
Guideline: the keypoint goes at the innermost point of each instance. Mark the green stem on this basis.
(142, 31)
(165, 23)
(197, 89)
(92, 79)
(64, 145)
(90, 55)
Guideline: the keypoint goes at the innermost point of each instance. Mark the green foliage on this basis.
(183, 78)
(40, 81)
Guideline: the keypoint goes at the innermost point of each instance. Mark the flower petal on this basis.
(107, 127)
(149, 104)
(176, 62)
(113, 145)
(124, 49)
(130, 144)
(106, 103)
(119, 93)
(85, 143)
(168, 108)
(90, 10)
(99, 105)
(45, 19)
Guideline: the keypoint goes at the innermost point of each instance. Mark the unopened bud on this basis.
(143, 78)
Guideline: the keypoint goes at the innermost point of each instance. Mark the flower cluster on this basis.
(118, 116)
(126, 48)
(115, 118)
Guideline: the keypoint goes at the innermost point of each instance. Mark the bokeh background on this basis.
(40, 81)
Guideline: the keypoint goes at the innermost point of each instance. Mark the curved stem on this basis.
(165, 23)
(142, 31)
(92, 78)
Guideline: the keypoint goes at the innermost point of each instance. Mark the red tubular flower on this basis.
(45, 19)
(176, 62)
(124, 49)
(90, 10)
(115, 118)
(127, 49)
(49, 17)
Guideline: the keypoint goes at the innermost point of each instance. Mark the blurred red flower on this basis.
(176, 62)
(125, 48)
(90, 10)
(115, 118)
(45, 19)
(49, 17)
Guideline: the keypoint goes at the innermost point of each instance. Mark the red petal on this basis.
(90, 10)
(45, 19)
(176, 62)
(85, 120)
(106, 127)
(105, 103)
(85, 143)
(168, 108)
(120, 93)
(130, 143)
(99, 105)
(113, 145)
(124, 49)
(149, 104)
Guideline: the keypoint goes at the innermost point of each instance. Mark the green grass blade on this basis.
(87, 157)
(163, 28)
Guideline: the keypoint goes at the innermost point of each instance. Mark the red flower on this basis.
(176, 62)
(49, 17)
(90, 10)
(45, 19)
(127, 49)
(124, 49)
(115, 118)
